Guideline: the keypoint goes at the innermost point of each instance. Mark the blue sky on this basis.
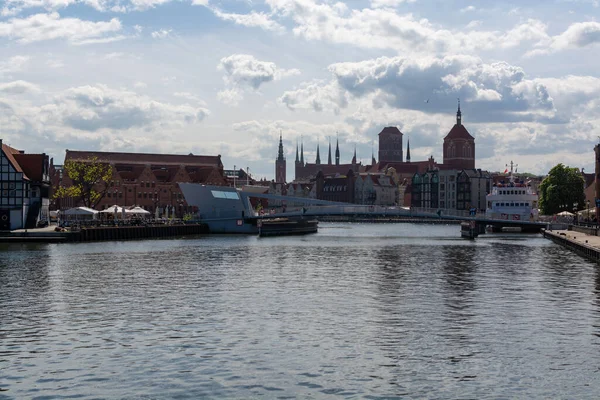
(227, 77)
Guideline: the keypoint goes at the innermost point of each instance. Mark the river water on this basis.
(355, 311)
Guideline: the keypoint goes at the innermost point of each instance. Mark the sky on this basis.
(228, 77)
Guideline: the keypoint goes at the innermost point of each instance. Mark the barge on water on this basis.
(286, 226)
(228, 210)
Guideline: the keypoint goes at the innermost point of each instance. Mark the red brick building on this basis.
(150, 180)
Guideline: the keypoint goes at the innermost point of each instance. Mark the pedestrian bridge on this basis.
(315, 208)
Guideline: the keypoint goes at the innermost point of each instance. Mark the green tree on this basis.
(89, 181)
(561, 190)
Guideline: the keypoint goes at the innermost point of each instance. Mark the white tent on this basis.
(112, 210)
(137, 211)
(79, 213)
(565, 214)
(586, 212)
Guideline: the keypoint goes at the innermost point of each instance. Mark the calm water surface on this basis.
(355, 311)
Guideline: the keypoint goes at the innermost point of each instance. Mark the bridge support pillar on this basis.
(481, 228)
(468, 229)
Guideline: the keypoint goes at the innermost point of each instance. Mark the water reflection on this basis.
(359, 312)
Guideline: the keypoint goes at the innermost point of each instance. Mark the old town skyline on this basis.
(208, 77)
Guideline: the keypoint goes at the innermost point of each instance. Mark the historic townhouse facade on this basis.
(24, 188)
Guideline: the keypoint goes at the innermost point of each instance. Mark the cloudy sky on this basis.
(226, 77)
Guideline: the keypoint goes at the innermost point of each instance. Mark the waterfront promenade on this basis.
(582, 243)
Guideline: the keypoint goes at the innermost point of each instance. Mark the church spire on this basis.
(373, 161)
(329, 158)
(458, 115)
(354, 156)
(337, 151)
(302, 151)
(318, 160)
(408, 151)
(297, 156)
(280, 153)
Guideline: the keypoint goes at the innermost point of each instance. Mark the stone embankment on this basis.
(103, 233)
(583, 243)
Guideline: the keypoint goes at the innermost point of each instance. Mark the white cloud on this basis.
(473, 24)
(317, 96)
(245, 72)
(231, 97)
(386, 29)
(468, 9)
(13, 64)
(253, 20)
(18, 87)
(41, 27)
(580, 34)
(92, 108)
(161, 34)
(496, 91)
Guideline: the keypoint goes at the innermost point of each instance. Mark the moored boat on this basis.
(514, 200)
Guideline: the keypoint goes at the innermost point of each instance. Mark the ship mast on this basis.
(512, 178)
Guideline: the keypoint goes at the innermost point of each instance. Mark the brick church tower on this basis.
(280, 171)
(390, 145)
(459, 146)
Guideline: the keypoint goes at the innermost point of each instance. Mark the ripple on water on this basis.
(357, 311)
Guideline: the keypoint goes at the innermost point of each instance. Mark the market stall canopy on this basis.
(80, 211)
(113, 209)
(565, 214)
(137, 211)
(590, 211)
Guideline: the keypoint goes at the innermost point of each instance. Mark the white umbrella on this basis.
(565, 214)
(112, 209)
(138, 211)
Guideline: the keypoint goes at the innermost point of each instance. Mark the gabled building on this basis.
(24, 188)
(425, 190)
(472, 187)
(375, 189)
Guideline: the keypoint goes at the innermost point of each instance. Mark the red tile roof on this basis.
(10, 154)
(459, 132)
(145, 158)
(32, 165)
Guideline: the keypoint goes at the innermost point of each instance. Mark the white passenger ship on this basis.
(514, 200)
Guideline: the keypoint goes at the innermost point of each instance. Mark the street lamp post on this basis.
(588, 211)
(234, 175)
(575, 218)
